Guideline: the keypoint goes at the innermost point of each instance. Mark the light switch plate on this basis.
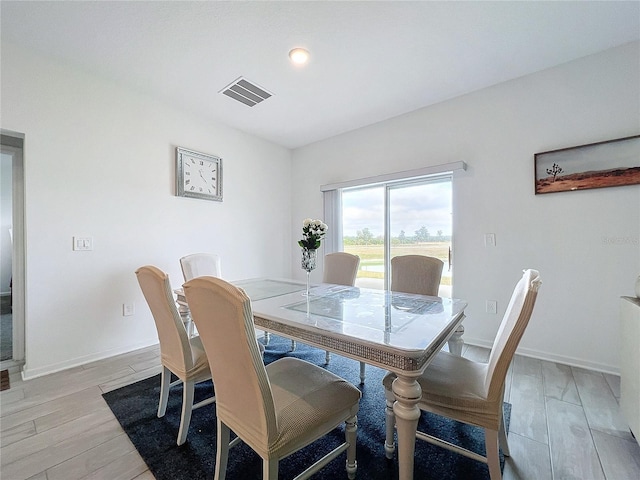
(489, 239)
(128, 309)
(83, 243)
(492, 306)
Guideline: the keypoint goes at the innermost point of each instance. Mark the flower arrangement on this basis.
(312, 232)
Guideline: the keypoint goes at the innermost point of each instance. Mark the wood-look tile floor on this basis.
(565, 423)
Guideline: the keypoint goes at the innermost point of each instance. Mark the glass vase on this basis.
(308, 263)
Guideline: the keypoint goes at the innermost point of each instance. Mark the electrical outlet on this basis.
(492, 306)
(128, 309)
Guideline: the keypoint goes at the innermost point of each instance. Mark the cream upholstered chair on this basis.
(341, 268)
(199, 264)
(416, 274)
(179, 354)
(277, 409)
(421, 275)
(473, 392)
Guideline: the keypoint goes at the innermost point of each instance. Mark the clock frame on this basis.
(198, 175)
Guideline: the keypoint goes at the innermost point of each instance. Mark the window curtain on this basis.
(332, 217)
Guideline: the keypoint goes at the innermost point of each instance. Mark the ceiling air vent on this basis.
(246, 92)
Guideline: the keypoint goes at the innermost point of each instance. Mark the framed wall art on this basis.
(604, 164)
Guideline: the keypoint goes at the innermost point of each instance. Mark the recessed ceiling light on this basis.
(299, 56)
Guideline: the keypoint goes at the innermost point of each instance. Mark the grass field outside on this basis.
(372, 257)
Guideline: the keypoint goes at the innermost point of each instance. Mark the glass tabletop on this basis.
(398, 320)
(377, 309)
(261, 288)
(393, 330)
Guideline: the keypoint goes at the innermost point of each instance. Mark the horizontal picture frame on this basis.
(611, 163)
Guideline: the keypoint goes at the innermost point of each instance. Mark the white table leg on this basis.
(390, 425)
(456, 342)
(183, 311)
(185, 315)
(407, 392)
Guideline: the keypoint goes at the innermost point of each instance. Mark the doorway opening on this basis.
(12, 271)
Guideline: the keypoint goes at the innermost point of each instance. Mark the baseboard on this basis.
(551, 357)
(29, 374)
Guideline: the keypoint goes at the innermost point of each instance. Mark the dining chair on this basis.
(416, 274)
(473, 392)
(421, 275)
(278, 409)
(341, 268)
(201, 264)
(412, 274)
(179, 354)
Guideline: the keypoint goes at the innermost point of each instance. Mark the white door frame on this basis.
(12, 143)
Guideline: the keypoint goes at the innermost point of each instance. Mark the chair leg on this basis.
(222, 454)
(493, 460)
(390, 424)
(362, 373)
(187, 407)
(293, 345)
(266, 338)
(327, 357)
(504, 443)
(269, 469)
(351, 434)
(165, 385)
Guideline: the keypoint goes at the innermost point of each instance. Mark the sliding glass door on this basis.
(400, 218)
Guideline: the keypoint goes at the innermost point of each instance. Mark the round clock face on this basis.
(198, 175)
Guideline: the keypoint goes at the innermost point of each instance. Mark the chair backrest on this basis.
(223, 316)
(175, 349)
(200, 264)
(341, 268)
(515, 321)
(416, 274)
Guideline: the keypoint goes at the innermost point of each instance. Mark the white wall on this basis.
(586, 244)
(99, 161)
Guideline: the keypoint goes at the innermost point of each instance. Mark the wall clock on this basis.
(198, 175)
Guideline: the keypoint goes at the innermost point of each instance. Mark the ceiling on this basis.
(370, 61)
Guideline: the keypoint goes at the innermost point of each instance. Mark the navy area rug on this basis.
(135, 406)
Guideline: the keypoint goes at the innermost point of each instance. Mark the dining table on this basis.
(395, 331)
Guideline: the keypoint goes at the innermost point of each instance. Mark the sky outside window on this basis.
(412, 207)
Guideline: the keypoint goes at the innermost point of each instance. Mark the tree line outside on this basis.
(370, 249)
(365, 237)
